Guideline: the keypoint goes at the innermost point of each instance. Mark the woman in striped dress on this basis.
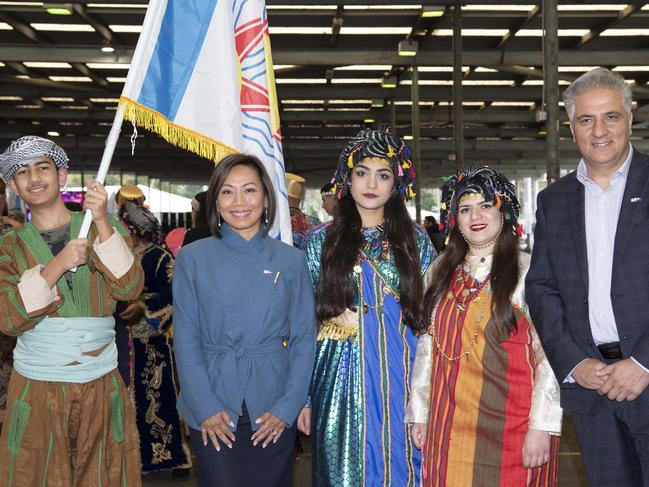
(485, 402)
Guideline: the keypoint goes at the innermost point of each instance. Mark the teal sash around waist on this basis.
(44, 352)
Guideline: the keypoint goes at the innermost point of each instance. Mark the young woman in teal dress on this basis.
(366, 267)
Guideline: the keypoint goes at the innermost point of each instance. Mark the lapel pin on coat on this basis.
(636, 199)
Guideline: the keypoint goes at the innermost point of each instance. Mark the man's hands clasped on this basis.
(620, 381)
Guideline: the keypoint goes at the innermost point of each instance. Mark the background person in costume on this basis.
(126, 312)
(300, 221)
(6, 342)
(485, 403)
(329, 198)
(244, 334)
(70, 421)
(152, 369)
(367, 267)
(200, 229)
(589, 281)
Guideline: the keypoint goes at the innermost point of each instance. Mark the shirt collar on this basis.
(621, 172)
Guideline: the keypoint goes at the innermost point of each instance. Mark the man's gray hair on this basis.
(597, 78)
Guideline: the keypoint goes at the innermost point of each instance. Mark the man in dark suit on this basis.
(588, 283)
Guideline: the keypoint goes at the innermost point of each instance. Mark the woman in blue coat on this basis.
(244, 330)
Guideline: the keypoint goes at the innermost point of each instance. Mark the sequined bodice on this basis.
(375, 248)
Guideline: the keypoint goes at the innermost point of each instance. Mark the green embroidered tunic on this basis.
(58, 433)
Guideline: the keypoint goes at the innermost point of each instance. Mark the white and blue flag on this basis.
(202, 78)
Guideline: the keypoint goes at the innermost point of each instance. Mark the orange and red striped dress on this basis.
(480, 401)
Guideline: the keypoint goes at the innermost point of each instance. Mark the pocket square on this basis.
(636, 199)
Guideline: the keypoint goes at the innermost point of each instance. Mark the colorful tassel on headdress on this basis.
(379, 144)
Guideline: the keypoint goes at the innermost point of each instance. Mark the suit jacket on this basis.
(557, 282)
(244, 327)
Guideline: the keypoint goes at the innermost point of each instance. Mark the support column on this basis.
(458, 119)
(416, 146)
(551, 87)
(393, 117)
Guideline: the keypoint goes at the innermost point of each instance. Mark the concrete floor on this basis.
(571, 472)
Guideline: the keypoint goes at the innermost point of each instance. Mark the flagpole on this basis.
(106, 158)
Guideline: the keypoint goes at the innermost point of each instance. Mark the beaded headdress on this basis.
(485, 181)
(141, 222)
(24, 150)
(381, 144)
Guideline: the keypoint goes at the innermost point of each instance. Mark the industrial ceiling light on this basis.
(53, 8)
(389, 81)
(107, 47)
(408, 47)
(430, 11)
(369, 120)
(378, 103)
(408, 137)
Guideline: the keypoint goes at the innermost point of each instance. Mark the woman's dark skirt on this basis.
(245, 464)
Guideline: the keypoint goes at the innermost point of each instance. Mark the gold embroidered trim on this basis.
(334, 331)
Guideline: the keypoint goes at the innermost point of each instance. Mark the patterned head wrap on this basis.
(382, 144)
(24, 150)
(485, 181)
(141, 222)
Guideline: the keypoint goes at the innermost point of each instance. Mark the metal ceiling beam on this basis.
(595, 33)
(18, 128)
(13, 86)
(83, 69)
(33, 87)
(338, 57)
(23, 28)
(100, 27)
(427, 117)
(434, 117)
(521, 25)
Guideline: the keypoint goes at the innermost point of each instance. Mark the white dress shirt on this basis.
(602, 211)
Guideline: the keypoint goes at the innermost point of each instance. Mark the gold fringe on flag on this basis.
(182, 137)
(335, 331)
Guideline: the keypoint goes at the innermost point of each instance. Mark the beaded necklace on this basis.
(467, 295)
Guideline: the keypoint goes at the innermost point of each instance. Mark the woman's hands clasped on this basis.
(217, 428)
(271, 429)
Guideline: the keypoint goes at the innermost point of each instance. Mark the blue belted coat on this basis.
(244, 327)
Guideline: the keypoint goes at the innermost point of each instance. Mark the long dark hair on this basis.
(505, 274)
(337, 290)
(219, 175)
